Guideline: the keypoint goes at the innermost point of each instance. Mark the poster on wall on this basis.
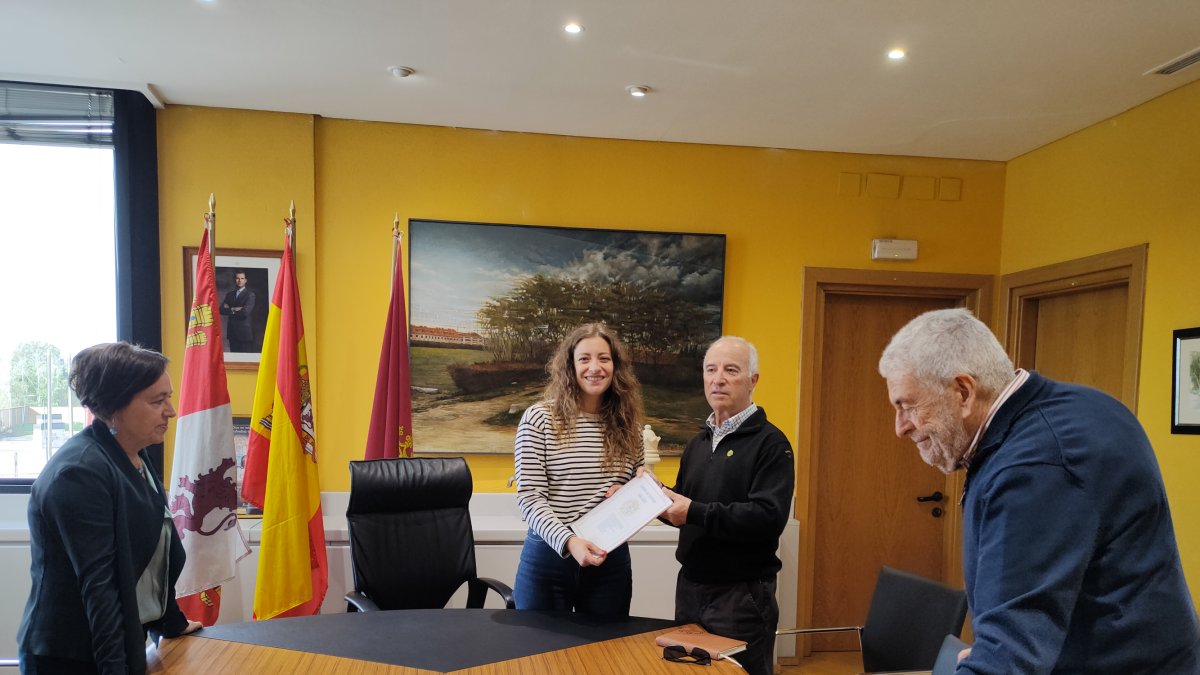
(489, 303)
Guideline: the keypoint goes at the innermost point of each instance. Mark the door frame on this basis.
(1021, 291)
(973, 291)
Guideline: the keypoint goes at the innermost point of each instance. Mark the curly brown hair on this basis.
(620, 406)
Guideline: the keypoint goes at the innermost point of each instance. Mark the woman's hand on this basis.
(617, 486)
(585, 552)
(641, 470)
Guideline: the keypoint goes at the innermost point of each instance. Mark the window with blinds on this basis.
(50, 115)
(58, 262)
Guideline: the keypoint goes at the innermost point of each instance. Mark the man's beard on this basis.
(946, 442)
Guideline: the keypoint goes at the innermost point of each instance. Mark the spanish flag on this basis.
(281, 463)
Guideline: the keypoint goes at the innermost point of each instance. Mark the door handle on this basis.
(935, 497)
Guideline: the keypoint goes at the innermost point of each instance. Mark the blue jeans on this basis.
(546, 580)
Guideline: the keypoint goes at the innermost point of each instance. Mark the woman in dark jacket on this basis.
(105, 552)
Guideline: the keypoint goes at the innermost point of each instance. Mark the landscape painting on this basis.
(489, 303)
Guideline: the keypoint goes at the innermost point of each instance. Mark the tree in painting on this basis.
(519, 290)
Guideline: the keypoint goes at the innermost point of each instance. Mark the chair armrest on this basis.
(357, 602)
(800, 631)
(477, 589)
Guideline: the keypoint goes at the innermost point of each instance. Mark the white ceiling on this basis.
(985, 79)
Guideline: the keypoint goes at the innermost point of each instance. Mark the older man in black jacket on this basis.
(731, 502)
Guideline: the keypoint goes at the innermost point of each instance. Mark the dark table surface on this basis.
(433, 639)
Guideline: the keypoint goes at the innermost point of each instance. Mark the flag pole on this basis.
(396, 237)
(210, 222)
(291, 227)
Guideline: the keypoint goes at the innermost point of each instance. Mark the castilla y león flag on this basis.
(390, 433)
(203, 499)
(281, 464)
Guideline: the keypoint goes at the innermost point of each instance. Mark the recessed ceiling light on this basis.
(896, 54)
(637, 90)
(400, 72)
(573, 28)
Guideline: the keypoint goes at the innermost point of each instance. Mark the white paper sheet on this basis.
(619, 517)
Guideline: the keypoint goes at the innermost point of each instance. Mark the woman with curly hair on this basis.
(582, 440)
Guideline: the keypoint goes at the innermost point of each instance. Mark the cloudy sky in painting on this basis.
(455, 267)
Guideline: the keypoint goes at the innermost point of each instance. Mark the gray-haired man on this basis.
(731, 502)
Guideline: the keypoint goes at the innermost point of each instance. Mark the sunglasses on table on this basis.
(680, 654)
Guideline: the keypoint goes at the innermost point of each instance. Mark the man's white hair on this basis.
(753, 365)
(937, 345)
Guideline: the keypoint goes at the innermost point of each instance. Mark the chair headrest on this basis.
(416, 484)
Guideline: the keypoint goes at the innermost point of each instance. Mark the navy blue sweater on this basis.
(1069, 553)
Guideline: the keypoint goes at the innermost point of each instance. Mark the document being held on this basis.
(619, 517)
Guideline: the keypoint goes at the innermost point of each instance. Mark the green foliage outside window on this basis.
(27, 375)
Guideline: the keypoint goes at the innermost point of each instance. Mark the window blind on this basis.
(55, 115)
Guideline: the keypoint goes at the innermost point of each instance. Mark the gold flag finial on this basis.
(212, 203)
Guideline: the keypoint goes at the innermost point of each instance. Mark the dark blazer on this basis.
(240, 326)
(94, 523)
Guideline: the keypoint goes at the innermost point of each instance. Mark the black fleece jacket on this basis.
(741, 498)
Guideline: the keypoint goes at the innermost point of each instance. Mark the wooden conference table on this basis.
(412, 642)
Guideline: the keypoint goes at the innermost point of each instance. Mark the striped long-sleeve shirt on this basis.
(560, 479)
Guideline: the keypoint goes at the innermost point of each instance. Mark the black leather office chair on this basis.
(411, 545)
(908, 619)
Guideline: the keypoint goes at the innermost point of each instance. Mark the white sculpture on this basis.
(650, 446)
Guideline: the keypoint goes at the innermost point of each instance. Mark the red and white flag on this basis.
(390, 432)
(203, 495)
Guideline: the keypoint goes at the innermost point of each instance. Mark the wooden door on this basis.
(863, 481)
(868, 479)
(1080, 321)
(1062, 320)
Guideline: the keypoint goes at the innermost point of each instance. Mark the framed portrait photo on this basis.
(491, 302)
(1185, 382)
(245, 280)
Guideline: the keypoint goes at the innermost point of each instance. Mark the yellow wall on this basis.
(1127, 180)
(779, 209)
(1131, 179)
(256, 164)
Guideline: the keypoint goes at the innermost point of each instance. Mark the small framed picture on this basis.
(1185, 383)
(241, 439)
(245, 281)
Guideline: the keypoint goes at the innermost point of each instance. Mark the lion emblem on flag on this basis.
(209, 492)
